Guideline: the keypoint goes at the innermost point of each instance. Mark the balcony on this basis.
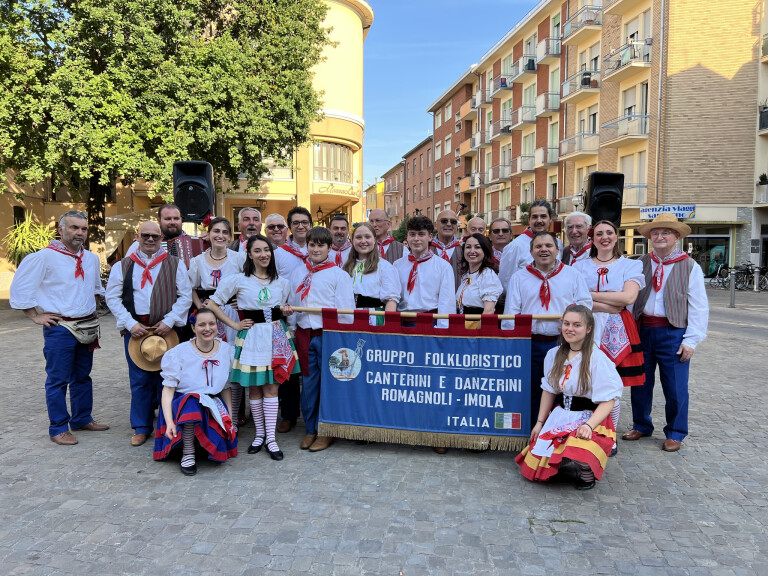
(579, 146)
(468, 147)
(472, 182)
(625, 130)
(619, 7)
(580, 27)
(761, 194)
(581, 86)
(483, 98)
(521, 116)
(501, 128)
(627, 61)
(499, 173)
(762, 121)
(548, 51)
(634, 195)
(468, 110)
(547, 104)
(570, 204)
(521, 165)
(545, 157)
(392, 190)
(501, 82)
(764, 50)
(480, 139)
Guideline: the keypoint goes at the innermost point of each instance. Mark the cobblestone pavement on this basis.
(103, 507)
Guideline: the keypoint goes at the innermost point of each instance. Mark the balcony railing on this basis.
(501, 82)
(764, 49)
(501, 127)
(480, 139)
(633, 126)
(468, 109)
(587, 17)
(548, 50)
(570, 204)
(581, 85)
(477, 179)
(392, 190)
(524, 163)
(762, 121)
(632, 54)
(761, 194)
(483, 97)
(635, 195)
(500, 172)
(547, 103)
(523, 115)
(581, 144)
(545, 156)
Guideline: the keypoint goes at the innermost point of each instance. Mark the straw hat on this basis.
(665, 220)
(147, 351)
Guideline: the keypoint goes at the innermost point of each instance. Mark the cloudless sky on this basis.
(414, 51)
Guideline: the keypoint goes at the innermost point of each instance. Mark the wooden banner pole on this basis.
(434, 316)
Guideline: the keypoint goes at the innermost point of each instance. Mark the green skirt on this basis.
(257, 375)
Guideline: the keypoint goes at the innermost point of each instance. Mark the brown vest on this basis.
(455, 262)
(394, 251)
(675, 291)
(163, 295)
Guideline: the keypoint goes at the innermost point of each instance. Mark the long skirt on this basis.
(247, 376)
(210, 435)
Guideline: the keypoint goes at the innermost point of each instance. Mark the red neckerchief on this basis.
(338, 251)
(497, 256)
(292, 248)
(544, 293)
(386, 242)
(602, 277)
(415, 270)
(58, 246)
(243, 240)
(658, 275)
(306, 284)
(146, 275)
(528, 232)
(439, 245)
(575, 255)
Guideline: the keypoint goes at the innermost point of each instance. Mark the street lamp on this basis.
(319, 214)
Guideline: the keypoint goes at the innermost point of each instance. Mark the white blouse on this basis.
(619, 271)
(184, 368)
(201, 273)
(479, 287)
(606, 383)
(252, 292)
(383, 284)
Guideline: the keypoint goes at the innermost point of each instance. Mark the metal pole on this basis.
(757, 280)
(733, 289)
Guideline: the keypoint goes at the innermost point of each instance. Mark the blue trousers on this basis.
(67, 364)
(660, 345)
(310, 391)
(539, 351)
(146, 388)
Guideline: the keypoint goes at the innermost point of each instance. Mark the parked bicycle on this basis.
(721, 277)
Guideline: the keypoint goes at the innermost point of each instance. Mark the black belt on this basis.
(367, 302)
(204, 295)
(258, 315)
(578, 403)
(473, 310)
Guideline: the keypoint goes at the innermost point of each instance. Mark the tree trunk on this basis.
(97, 202)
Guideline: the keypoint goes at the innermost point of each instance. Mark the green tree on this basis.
(94, 90)
(402, 231)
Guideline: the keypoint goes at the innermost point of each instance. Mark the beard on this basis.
(171, 232)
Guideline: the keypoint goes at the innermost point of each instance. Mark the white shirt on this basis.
(247, 290)
(331, 288)
(698, 306)
(200, 272)
(567, 287)
(606, 383)
(286, 262)
(434, 287)
(516, 256)
(581, 257)
(182, 368)
(383, 284)
(478, 288)
(344, 254)
(45, 280)
(178, 313)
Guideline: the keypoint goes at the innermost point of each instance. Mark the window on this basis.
(438, 185)
(447, 179)
(447, 206)
(429, 187)
(421, 162)
(554, 134)
(457, 162)
(529, 141)
(429, 212)
(530, 46)
(629, 99)
(429, 157)
(407, 170)
(506, 110)
(447, 146)
(414, 193)
(438, 120)
(19, 216)
(506, 64)
(529, 95)
(505, 199)
(552, 187)
(448, 111)
(526, 196)
(438, 150)
(333, 162)
(488, 200)
(556, 26)
(421, 190)
(458, 127)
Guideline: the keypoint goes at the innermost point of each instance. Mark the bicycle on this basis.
(720, 278)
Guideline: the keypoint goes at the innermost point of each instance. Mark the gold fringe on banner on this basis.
(415, 438)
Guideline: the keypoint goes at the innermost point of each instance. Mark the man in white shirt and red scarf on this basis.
(517, 254)
(341, 244)
(672, 313)
(446, 245)
(175, 241)
(276, 230)
(292, 253)
(546, 286)
(577, 225)
(147, 291)
(389, 248)
(56, 287)
(500, 235)
(248, 224)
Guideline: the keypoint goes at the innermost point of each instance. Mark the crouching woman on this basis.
(196, 398)
(580, 387)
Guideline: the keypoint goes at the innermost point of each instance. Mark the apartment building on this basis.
(661, 91)
(419, 179)
(394, 193)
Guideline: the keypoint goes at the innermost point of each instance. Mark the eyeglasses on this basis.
(145, 236)
(500, 231)
(277, 226)
(301, 223)
(76, 213)
(451, 220)
(663, 233)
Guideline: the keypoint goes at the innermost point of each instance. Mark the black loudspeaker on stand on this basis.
(193, 190)
(605, 192)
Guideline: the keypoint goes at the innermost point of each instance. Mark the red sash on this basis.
(146, 275)
(544, 293)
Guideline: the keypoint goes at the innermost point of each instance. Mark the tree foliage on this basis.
(93, 90)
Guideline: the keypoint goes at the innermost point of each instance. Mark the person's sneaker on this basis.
(64, 439)
(614, 451)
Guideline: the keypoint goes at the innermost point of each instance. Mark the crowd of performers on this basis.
(204, 319)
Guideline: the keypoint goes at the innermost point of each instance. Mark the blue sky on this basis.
(414, 51)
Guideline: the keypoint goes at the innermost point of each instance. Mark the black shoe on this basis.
(255, 449)
(276, 455)
(614, 451)
(189, 470)
(582, 485)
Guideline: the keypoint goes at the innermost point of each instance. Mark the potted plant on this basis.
(27, 237)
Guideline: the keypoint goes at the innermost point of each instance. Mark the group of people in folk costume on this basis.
(231, 302)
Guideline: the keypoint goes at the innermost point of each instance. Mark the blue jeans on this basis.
(660, 345)
(146, 388)
(67, 364)
(310, 391)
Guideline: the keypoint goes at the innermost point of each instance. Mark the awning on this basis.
(116, 227)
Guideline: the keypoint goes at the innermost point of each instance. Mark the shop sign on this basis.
(684, 211)
(338, 190)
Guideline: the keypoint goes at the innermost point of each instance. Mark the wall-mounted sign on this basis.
(684, 211)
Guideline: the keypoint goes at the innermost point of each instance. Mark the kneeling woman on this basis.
(196, 399)
(264, 352)
(582, 385)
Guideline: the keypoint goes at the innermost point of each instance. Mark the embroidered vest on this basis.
(163, 295)
(675, 291)
(394, 252)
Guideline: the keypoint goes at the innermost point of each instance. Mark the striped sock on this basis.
(257, 411)
(615, 411)
(585, 472)
(270, 421)
(237, 398)
(188, 439)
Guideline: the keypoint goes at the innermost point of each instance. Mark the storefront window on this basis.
(333, 162)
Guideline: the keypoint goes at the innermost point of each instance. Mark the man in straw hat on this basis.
(672, 314)
(57, 289)
(149, 293)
